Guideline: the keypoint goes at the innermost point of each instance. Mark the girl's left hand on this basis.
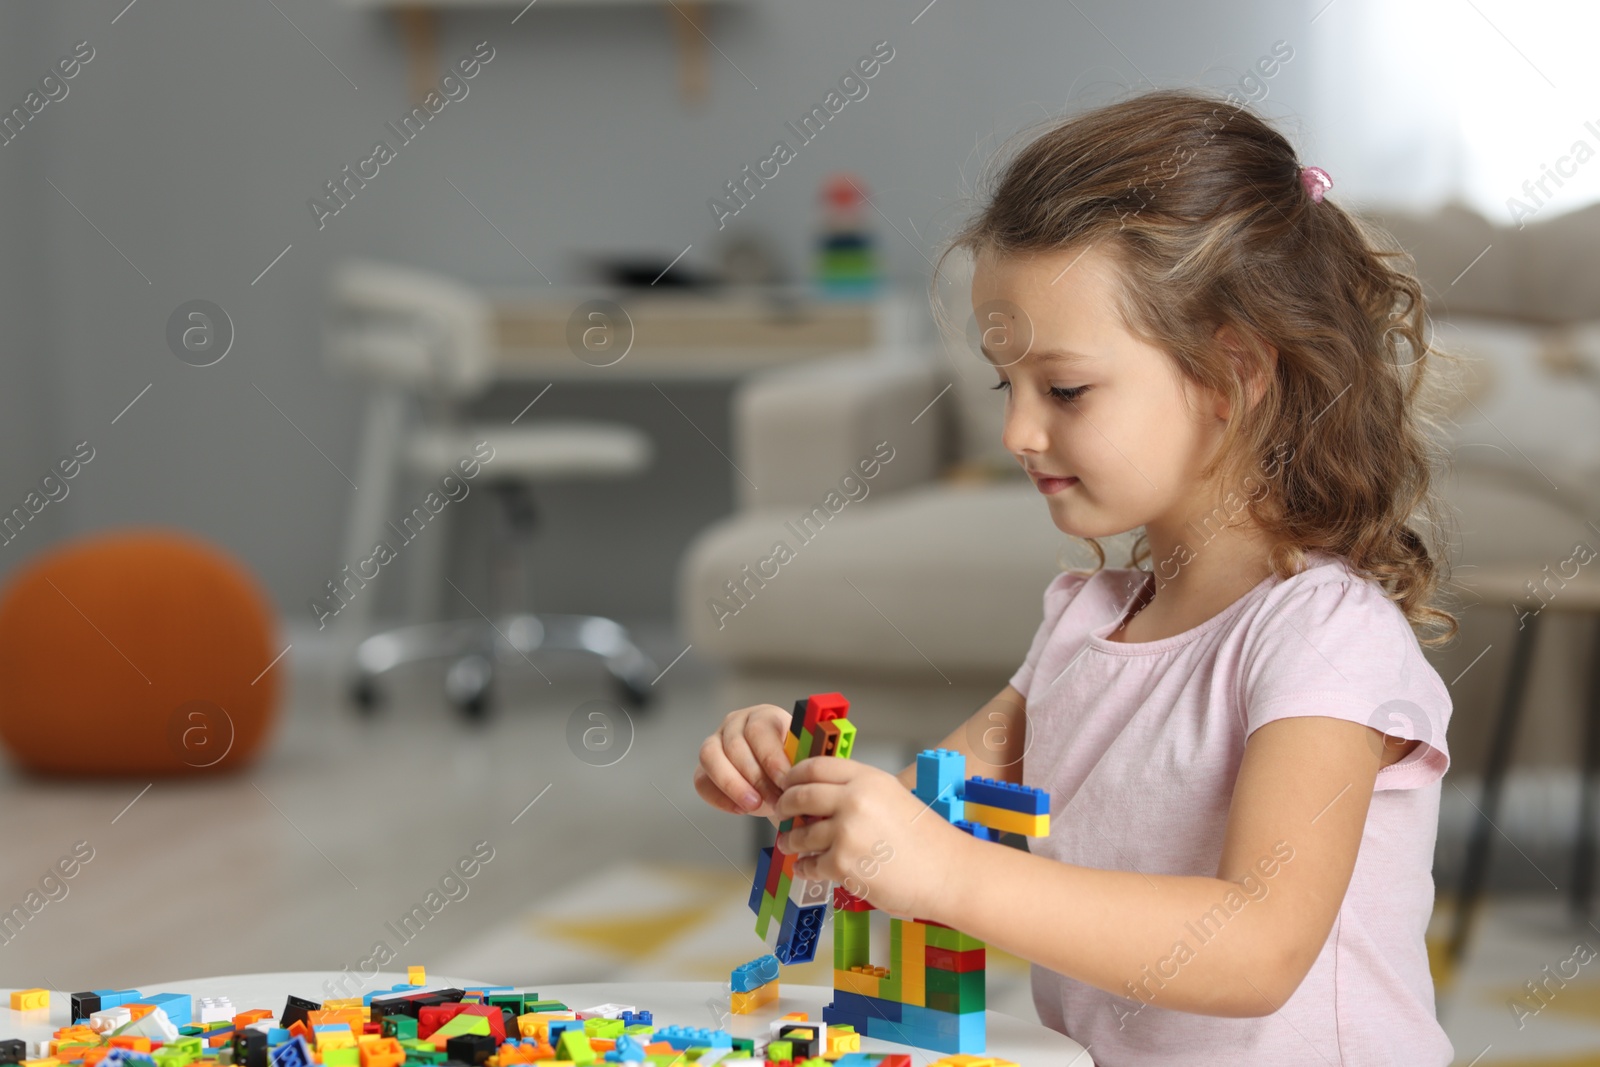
(870, 835)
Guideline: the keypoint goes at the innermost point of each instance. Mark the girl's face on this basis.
(1109, 430)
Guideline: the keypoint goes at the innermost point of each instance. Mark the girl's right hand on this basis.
(742, 765)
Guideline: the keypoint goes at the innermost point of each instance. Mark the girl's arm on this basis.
(1238, 944)
(992, 740)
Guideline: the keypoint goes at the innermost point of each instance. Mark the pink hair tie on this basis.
(1316, 182)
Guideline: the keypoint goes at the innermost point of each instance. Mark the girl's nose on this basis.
(1026, 426)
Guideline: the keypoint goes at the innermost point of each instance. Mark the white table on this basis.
(671, 1003)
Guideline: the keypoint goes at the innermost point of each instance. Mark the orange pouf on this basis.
(137, 652)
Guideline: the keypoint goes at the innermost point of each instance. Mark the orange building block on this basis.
(382, 1052)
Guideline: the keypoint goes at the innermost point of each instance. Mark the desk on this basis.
(669, 334)
(671, 1003)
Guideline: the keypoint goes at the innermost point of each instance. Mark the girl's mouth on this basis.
(1053, 485)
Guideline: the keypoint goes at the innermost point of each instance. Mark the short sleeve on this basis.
(1340, 648)
(1057, 595)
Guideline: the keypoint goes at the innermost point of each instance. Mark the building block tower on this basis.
(790, 911)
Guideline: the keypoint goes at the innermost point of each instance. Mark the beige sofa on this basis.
(916, 591)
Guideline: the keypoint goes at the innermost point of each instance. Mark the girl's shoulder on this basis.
(1329, 641)
(1108, 586)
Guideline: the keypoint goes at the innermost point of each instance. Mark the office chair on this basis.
(425, 344)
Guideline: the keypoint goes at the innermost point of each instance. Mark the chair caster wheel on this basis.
(633, 694)
(366, 697)
(467, 686)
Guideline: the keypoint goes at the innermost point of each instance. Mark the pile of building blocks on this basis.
(931, 994)
(412, 1024)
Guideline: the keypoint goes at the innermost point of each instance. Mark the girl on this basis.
(1241, 739)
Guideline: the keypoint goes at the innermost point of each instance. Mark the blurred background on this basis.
(401, 407)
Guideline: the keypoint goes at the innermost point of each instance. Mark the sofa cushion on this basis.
(944, 579)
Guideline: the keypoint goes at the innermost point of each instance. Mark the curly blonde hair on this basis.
(1200, 204)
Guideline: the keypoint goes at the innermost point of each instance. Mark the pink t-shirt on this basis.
(1139, 746)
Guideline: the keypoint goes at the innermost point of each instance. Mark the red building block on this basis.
(946, 959)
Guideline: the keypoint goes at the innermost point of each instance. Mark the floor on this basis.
(612, 867)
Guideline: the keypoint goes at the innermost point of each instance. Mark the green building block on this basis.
(606, 1028)
(639, 1030)
(515, 1001)
(544, 1005)
(780, 1050)
(847, 737)
(852, 946)
(400, 1027)
(744, 1044)
(889, 988)
(955, 940)
(574, 1045)
(348, 1056)
(463, 1024)
(955, 992)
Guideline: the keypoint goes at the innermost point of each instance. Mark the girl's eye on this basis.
(1056, 391)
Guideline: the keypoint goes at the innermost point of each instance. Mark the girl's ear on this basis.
(1251, 365)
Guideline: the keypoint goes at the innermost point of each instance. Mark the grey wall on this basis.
(195, 136)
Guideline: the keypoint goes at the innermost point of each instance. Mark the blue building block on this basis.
(178, 1006)
(1007, 796)
(940, 774)
(115, 998)
(626, 1048)
(950, 809)
(292, 1053)
(797, 937)
(638, 1018)
(126, 1057)
(864, 1007)
(982, 833)
(858, 1059)
(682, 1037)
(755, 974)
(929, 1028)
(759, 884)
(277, 1035)
(560, 1026)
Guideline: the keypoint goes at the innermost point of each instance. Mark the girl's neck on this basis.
(1193, 579)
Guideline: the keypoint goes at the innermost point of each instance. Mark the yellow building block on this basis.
(46, 1062)
(842, 1041)
(745, 1003)
(327, 1039)
(913, 964)
(1012, 822)
(29, 999)
(416, 976)
(867, 981)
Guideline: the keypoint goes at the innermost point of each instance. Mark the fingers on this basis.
(825, 769)
(725, 777)
(812, 837)
(815, 799)
(709, 793)
(768, 732)
(736, 747)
